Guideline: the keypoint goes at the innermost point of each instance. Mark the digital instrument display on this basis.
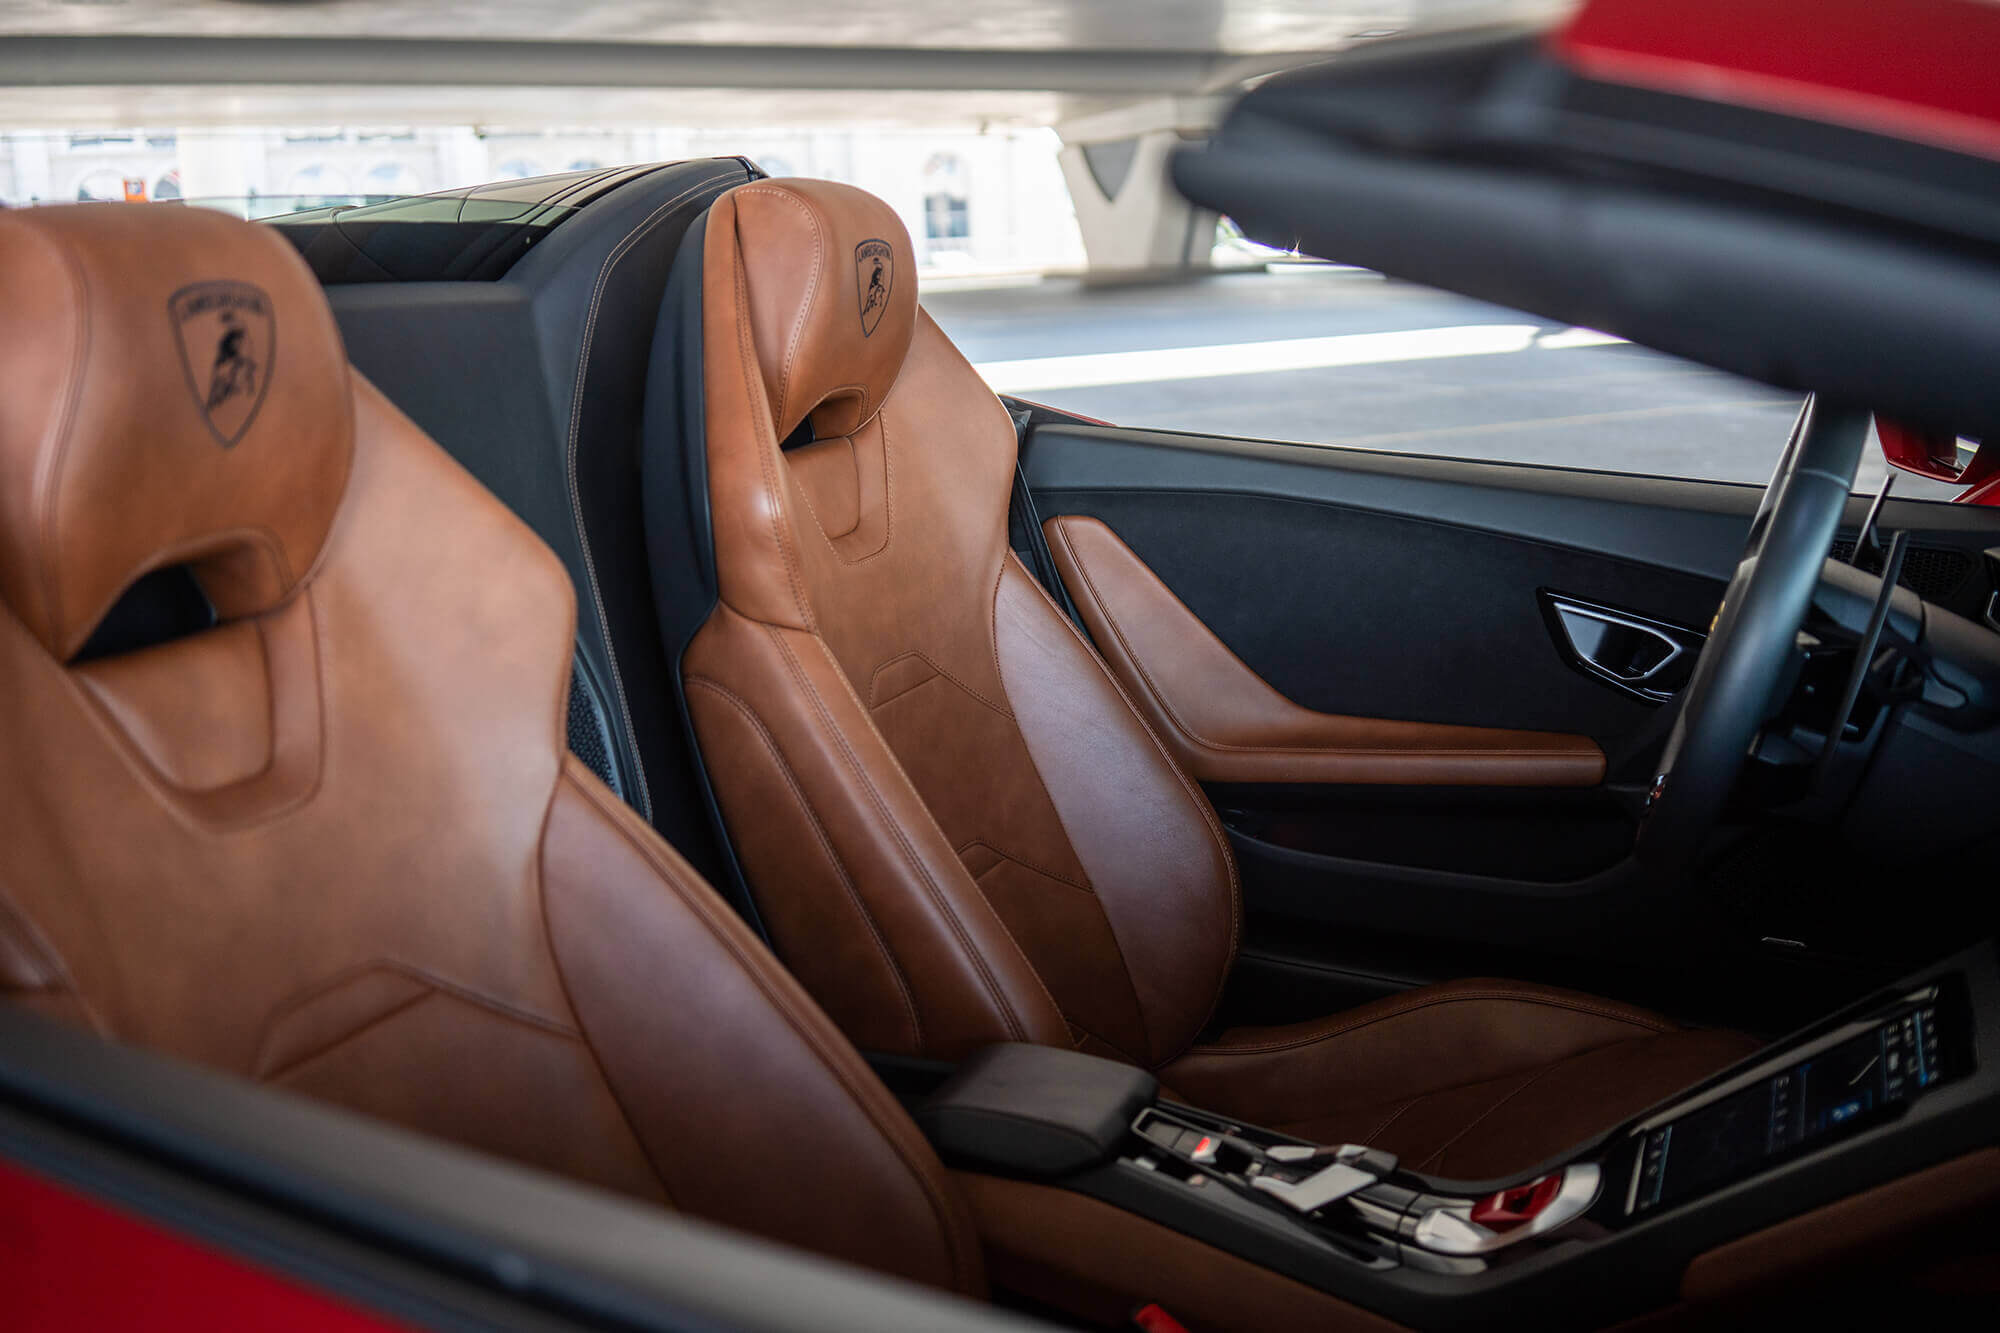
(1831, 1091)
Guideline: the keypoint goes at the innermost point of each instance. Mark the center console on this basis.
(1799, 1098)
(1870, 1095)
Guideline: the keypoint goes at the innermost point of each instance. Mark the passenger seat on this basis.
(326, 837)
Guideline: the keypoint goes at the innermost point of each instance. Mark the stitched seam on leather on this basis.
(1387, 752)
(564, 775)
(72, 393)
(1518, 1089)
(807, 499)
(169, 797)
(937, 895)
(348, 398)
(1103, 1041)
(1337, 751)
(432, 984)
(804, 316)
(327, 1048)
(1117, 945)
(321, 721)
(1022, 861)
(1519, 997)
(1173, 765)
(575, 493)
(896, 765)
(888, 477)
(1104, 609)
(993, 638)
(876, 700)
(1389, 1120)
(395, 967)
(1310, 1118)
(767, 462)
(30, 933)
(1195, 798)
(826, 846)
(29, 938)
(888, 517)
(929, 661)
(1138, 1010)
(894, 1134)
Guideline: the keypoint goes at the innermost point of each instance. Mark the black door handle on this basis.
(1646, 658)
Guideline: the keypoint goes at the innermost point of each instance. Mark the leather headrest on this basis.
(830, 284)
(177, 393)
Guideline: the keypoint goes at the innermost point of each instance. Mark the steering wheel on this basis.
(1735, 687)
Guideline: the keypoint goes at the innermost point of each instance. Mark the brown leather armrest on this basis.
(1226, 724)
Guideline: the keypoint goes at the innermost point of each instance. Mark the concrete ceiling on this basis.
(1209, 26)
(661, 62)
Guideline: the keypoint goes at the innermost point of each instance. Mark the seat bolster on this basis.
(1473, 1078)
(756, 1112)
(755, 559)
(860, 890)
(1155, 852)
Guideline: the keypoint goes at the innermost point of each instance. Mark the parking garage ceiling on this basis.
(687, 62)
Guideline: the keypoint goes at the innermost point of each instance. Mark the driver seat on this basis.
(954, 824)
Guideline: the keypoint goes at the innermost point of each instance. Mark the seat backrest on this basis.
(534, 382)
(333, 843)
(956, 827)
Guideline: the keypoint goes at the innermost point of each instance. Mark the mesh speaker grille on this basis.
(589, 731)
(1932, 573)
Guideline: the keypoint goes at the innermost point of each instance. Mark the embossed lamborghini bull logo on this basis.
(874, 271)
(227, 338)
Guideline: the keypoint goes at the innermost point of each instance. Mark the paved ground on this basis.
(1605, 406)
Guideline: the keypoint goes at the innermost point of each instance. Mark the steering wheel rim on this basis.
(1734, 689)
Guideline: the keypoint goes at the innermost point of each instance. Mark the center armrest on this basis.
(1035, 1110)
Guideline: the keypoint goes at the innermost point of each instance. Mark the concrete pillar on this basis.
(1135, 224)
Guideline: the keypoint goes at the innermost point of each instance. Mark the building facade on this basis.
(974, 202)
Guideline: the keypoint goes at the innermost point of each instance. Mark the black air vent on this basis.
(1931, 572)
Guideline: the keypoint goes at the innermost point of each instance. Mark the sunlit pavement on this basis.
(1371, 363)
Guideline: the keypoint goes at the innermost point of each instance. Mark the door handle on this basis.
(1646, 658)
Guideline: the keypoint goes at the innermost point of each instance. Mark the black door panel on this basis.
(1386, 585)
(1695, 527)
(1350, 611)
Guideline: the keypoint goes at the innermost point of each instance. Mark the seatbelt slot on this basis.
(1023, 518)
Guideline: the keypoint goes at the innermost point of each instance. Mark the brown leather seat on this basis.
(956, 826)
(333, 843)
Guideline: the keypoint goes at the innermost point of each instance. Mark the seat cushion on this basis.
(1466, 1080)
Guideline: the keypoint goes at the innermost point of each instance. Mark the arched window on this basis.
(391, 178)
(319, 181)
(947, 210)
(103, 186)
